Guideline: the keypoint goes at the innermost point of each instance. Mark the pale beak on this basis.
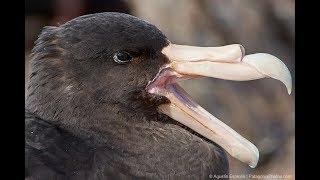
(226, 62)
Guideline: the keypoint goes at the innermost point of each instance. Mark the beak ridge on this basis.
(228, 53)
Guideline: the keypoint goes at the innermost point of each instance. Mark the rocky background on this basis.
(260, 110)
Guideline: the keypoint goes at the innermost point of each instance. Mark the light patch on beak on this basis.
(226, 62)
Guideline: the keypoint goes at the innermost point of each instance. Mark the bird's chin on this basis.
(228, 62)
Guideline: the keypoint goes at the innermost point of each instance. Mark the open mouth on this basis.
(225, 62)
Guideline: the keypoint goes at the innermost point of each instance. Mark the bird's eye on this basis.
(122, 57)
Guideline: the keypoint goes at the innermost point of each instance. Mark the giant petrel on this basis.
(104, 103)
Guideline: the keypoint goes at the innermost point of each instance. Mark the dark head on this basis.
(93, 64)
(112, 78)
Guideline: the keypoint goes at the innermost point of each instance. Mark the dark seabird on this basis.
(104, 103)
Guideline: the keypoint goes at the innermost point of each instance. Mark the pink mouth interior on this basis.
(165, 78)
(165, 83)
(181, 95)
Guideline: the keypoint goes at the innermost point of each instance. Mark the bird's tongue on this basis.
(226, 62)
(184, 110)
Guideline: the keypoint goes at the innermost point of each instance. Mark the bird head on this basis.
(99, 60)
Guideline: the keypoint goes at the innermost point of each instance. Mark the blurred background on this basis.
(260, 110)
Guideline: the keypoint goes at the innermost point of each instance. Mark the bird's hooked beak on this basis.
(226, 62)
